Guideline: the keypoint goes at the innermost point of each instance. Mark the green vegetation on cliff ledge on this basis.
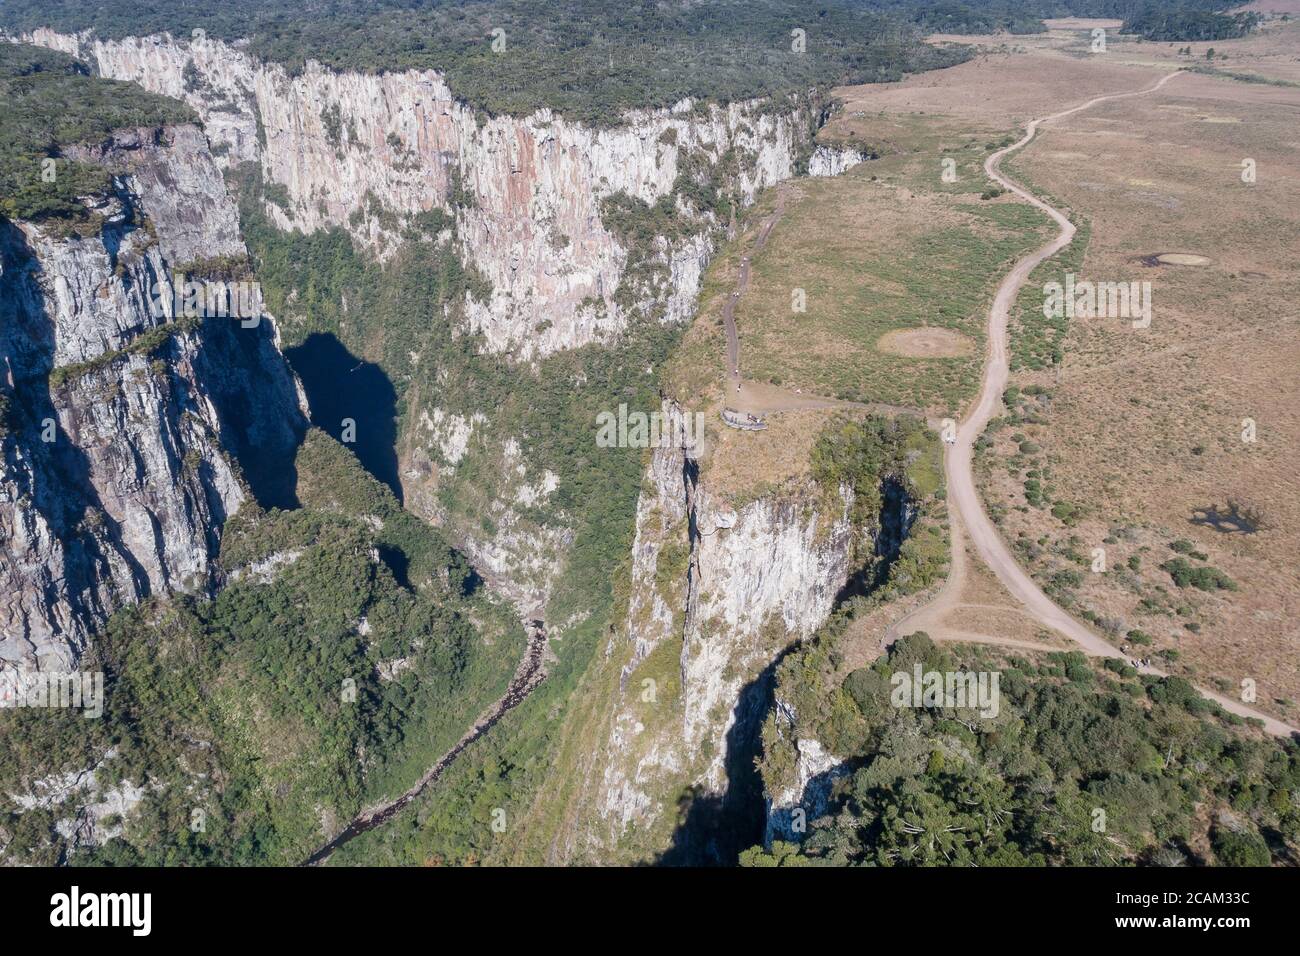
(50, 103)
(1080, 765)
(342, 658)
(879, 458)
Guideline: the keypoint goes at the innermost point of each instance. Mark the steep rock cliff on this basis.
(831, 161)
(807, 794)
(130, 433)
(718, 594)
(370, 152)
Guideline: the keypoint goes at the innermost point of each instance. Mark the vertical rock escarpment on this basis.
(370, 153)
(130, 433)
(521, 199)
(525, 203)
(718, 594)
(832, 161)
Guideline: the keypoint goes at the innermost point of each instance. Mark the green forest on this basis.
(592, 60)
(1084, 765)
(51, 102)
(589, 59)
(256, 719)
(1188, 23)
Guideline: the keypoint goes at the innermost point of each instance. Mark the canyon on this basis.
(721, 593)
(159, 445)
(521, 199)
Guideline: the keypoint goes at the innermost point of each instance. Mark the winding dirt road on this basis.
(965, 508)
(528, 675)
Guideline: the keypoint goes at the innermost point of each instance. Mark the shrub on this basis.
(1239, 847)
(1204, 577)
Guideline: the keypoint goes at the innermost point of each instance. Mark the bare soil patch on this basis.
(925, 343)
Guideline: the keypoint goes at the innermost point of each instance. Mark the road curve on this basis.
(965, 506)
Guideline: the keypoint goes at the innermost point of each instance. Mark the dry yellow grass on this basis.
(925, 343)
(1145, 426)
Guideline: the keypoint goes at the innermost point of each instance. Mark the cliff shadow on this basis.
(353, 401)
(715, 828)
(257, 405)
(897, 514)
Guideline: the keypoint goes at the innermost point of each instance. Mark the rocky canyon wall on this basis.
(718, 594)
(130, 432)
(369, 153)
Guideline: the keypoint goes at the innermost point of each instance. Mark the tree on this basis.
(1239, 847)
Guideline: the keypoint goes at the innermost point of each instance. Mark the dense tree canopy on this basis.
(1081, 766)
(279, 707)
(51, 102)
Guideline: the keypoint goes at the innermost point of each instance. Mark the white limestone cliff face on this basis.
(371, 153)
(123, 426)
(525, 192)
(832, 161)
(726, 591)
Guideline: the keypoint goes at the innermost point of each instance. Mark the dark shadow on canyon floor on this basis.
(343, 389)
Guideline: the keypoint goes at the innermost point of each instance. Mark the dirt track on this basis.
(742, 283)
(966, 510)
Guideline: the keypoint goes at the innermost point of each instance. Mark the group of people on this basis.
(1137, 662)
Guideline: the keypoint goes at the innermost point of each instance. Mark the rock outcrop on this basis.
(808, 794)
(88, 812)
(832, 161)
(130, 432)
(522, 555)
